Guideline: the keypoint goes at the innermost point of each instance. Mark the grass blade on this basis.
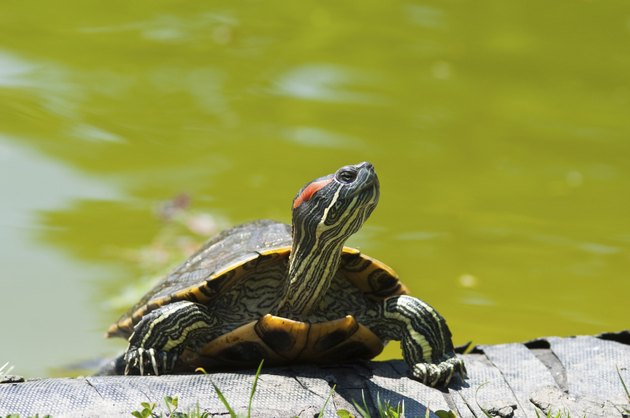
(321, 411)
(224, 401)
(251, 395)
(485, 411)
(365, 411)
(625, 388)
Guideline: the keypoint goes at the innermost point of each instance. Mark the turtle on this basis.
(288, 294)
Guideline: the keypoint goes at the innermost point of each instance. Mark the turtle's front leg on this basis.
(161, 336)
(424, 337)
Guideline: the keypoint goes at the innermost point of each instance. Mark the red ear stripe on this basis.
(309, 191)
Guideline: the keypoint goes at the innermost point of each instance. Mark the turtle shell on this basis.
(244, 254)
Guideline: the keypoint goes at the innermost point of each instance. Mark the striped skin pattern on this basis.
(164, 330)
(320, 229)
(264, 290)
(424, 337)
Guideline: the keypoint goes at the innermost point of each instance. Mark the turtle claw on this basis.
(153, 362)
(147, 362)
(127, 364)
(438, 375)
(140, 362)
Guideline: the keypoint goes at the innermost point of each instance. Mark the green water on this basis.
(500, 132)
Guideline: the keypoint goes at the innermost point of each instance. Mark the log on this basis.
(576, 376)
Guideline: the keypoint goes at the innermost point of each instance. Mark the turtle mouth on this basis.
(369, 182)
(368, 189)
(369, 193)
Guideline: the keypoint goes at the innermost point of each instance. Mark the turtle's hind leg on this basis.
(161, 336)
(424, 337)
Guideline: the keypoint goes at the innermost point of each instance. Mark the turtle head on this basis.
(325, 213)
(333, 207)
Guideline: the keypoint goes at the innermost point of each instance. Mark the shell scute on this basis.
(375, 279)
(210, 270)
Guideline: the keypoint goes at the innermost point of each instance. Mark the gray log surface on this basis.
(577, 376)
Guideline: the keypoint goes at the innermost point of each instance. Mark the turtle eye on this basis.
(346, 176)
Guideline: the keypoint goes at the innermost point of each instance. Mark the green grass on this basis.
(251, 396)
(623, 383)
(550, 415)
(32, 416)
(384, 409)
(625, 388)
(330, 394)
(171, 404)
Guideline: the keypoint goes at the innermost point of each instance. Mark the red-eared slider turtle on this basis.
(288, 294)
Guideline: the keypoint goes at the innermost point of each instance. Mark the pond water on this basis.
(499, 131)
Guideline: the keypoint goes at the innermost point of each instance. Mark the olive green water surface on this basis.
(500, 132)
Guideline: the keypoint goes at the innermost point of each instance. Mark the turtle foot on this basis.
(146, 362)
(438, 375)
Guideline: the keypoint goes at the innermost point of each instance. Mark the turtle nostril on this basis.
(366, 164)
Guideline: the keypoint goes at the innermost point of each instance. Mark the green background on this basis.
(500, 132)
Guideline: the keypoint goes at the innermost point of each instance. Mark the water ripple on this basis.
(324, 83)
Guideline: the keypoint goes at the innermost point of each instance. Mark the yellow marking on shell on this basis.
(248, 333)
(299, 332)
(380, 265)
(125, 326)
(231, 267)
(348, 325)
(358, 278)
(281, 251)
(352, 331)
(120, 329)
(269, 321)
(304, 349)
(350, 250)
